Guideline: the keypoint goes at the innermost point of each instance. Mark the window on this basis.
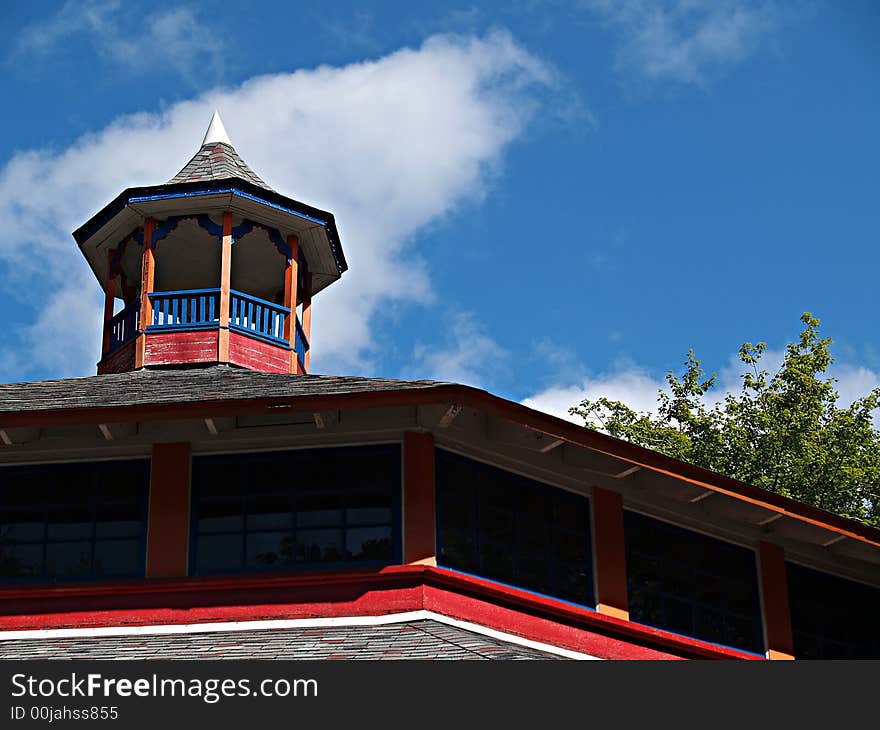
(831, 617)
(295, 509)
(691, 584)
(73, 521)
(508, 528)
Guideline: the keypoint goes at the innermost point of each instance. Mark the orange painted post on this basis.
(610, 553)
(307, 322)
(225, 285)
(168, 521)
(419, 541)
(109, 296)
(291, 282)
(148, 274)
(774, 601)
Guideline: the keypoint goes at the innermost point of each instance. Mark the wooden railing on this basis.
(200, 309)
(301, 343)
(257, 316)
(123, 326)
(189, 309)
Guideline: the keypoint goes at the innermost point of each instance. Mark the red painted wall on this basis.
(254, 354)
(120, 361)
(169, 348)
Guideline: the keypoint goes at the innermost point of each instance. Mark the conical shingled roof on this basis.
(216, 160)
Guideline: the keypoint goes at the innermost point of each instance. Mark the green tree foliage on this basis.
(784, 432)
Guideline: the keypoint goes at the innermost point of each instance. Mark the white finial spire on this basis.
(216, 131)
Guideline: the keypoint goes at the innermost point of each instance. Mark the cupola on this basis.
(212, 267)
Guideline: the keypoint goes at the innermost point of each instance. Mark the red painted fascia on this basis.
(357, 593)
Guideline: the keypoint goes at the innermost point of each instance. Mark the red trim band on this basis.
(360, 593)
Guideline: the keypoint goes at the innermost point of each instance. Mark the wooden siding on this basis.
(254, 354)
(171, 348)
(119, 361)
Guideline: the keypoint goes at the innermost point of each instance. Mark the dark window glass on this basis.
(295, 509)
(831, 617)
(692, 584)
(508, 528)
(68, 521)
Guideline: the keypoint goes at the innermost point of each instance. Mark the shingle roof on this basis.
(425, 639)
(217, 161)
(156, 387)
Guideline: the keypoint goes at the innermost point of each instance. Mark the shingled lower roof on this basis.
(426, 639)
(217, 161)
(209, 384)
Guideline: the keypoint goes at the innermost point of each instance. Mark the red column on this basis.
(610, 553)
(148, 272)
(291, 281)
(419, 542)
(109, 296)
(225, 285)
(774, 601)
(168, 522)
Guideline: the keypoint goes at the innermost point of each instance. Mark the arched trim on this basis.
(274, 236)
(164, 229)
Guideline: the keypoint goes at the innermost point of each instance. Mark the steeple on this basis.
(212, 267)
(216, 131)
(216, 159)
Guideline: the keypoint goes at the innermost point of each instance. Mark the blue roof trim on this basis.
(230, 186)
(226, 191)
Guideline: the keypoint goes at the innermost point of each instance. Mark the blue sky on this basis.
(544, 198)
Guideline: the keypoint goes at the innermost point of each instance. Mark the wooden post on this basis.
(307, 322)
(109, 296)
(291, 282)
(148, 273)
(225, 285)
(168, 519)
(610, 553)
(774, 601)
(419, 540)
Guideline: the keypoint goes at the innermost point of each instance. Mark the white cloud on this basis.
(470, 356)
(854, 382)
(630, 384)
(637, 387)
(176, 37)
(388, 145)
(685, 40)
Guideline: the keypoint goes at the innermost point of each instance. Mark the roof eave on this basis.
(478, 399)
(82, 234)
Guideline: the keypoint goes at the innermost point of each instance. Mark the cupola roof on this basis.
(216, 160)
